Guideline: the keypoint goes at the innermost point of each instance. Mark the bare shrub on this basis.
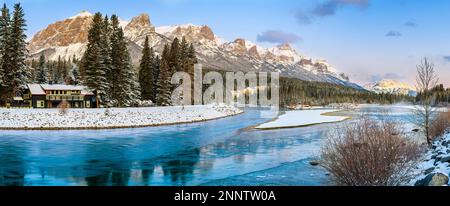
(426, 79)
(440, 124)
(63, 107)
(370, 153)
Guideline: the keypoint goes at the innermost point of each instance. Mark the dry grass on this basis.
(370, 153)
(440, 125)
(63, 107)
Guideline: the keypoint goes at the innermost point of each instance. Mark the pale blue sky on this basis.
(368, 39)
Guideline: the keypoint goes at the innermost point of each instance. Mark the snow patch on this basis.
(300, 118)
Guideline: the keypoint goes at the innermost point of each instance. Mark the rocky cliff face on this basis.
(69, 37)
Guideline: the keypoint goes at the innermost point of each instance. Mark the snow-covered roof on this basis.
(39, 89)
(61, 87)
(36, 89)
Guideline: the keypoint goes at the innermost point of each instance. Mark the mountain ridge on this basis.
(391, 86)
(68, 38)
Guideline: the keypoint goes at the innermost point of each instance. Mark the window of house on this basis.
(40, 104)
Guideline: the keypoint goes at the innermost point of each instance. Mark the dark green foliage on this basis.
(146, 72)
(14, 72)
(93, 60)
(178, 57)
(163, 86)
(294, 91)
(440, 94)
(41, 75)
(125, 85)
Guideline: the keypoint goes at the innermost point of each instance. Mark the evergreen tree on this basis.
(175, 56)
(146, 71)
(163, 87)
(106, 57)
(93, 61)
(156, 70)
(58, 71)
(41, 76)
(19, 71)
(75, 75)
(5, 21)
(126, 91)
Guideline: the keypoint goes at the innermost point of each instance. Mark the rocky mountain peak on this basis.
(139, 27)
(68, 38)
(391, 86)
(63, 33)
(240, 42)
(140, 22)
(253, 52)
(285, 46)
(206, 32)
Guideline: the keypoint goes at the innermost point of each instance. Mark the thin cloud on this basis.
(410, 24)
(328, 8)
(280, 37)
(393, 34)
(446, 58)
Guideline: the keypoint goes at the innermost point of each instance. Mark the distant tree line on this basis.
(56, 72)
(295, 91)
(440, 95)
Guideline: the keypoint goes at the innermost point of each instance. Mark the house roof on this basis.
(39, 89)
(36, 89)
(60, 87)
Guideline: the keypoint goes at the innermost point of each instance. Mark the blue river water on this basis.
(217, 152)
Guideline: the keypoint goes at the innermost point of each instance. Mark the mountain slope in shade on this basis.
(391, 86)
(68, 38)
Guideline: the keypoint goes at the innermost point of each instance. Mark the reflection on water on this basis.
(217, 152)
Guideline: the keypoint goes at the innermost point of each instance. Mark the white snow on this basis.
(36, 89)
(300, 118)
(81, 14)
(430, 161)
(67, 52)
(110, 118)
(391, 86)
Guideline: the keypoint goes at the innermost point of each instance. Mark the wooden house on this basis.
(51, 95)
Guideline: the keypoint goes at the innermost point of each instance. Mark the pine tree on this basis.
(175, 56)
(93, 61)
(41, 76)
(126, 91)
(156, 70)
(5, 20)
(75, 75)
(58, 71)
(106, 57)
(146, 71)
(163, 89)
(18, 52)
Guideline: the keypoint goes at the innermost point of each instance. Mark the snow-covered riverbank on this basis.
(51, 119)
(435, 168)
(299, 118)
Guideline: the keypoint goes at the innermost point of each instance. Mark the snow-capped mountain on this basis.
(391, 86)
(68, 38)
